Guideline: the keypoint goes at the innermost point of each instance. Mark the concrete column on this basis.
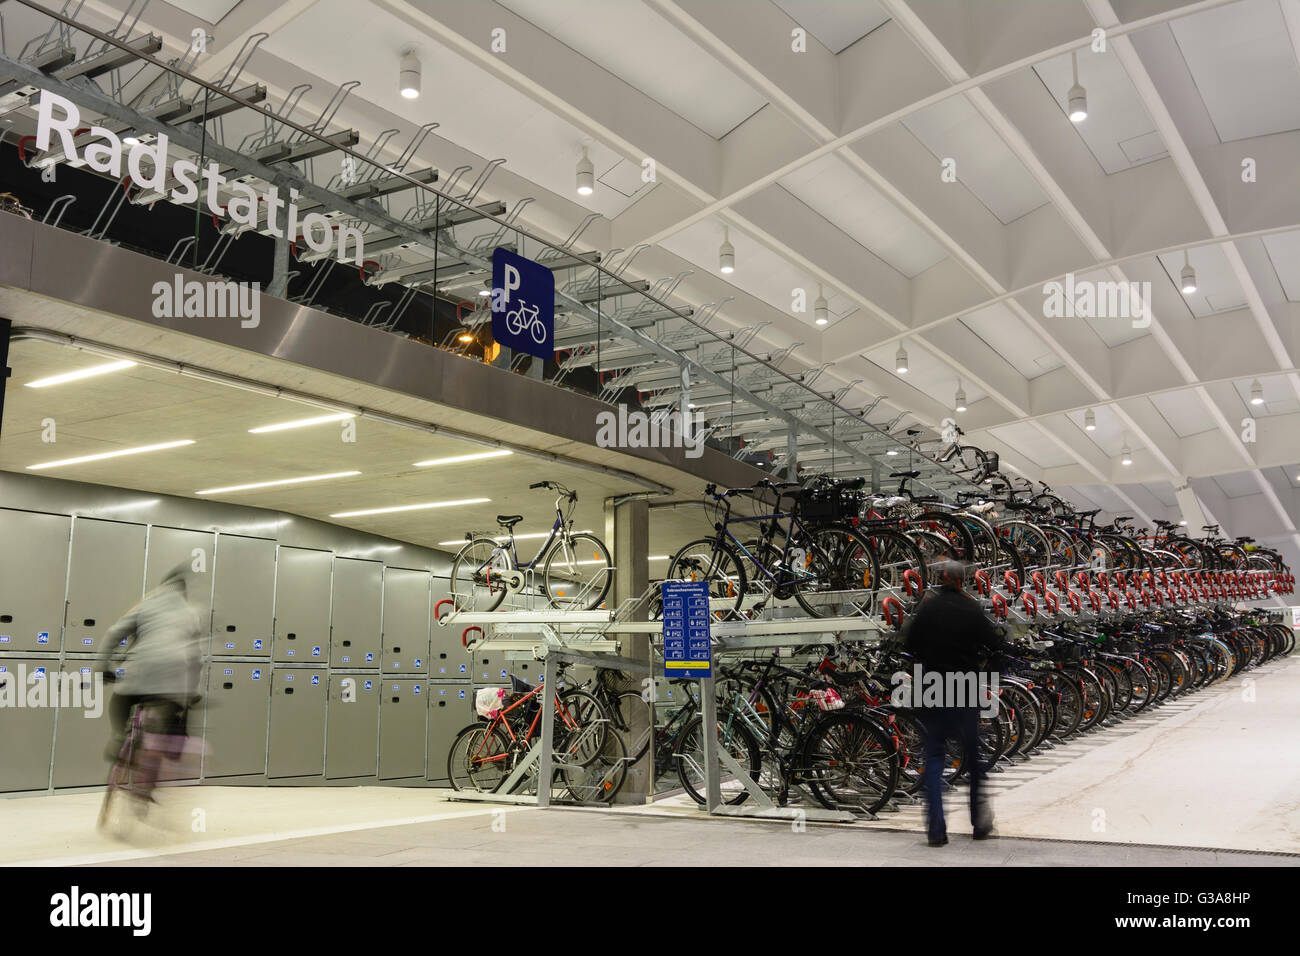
(791, 456)
(279, 286)
(627, 522)
(1190, 507)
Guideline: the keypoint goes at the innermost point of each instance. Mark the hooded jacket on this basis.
(162, 654)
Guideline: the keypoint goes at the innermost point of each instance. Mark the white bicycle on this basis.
(525, 317)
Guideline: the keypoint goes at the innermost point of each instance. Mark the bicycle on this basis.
(486, 569)
(589, 760)
(150, 737)
(525, 317)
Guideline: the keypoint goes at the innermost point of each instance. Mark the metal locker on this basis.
(451, 709)
(402, 714)
(406, 621)
(105, 580)
(169, 547)
(234, 719)
(447, 657)
(302, 606)
(82, 734)
(26, 725)
(352, 726)
(358, 604)
(297, 739)
(489, 667)
(243, 602)
(33, 579)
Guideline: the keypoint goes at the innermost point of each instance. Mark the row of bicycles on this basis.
(835, 550)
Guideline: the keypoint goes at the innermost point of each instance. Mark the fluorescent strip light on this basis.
(459, 458)
(80, 373)
(280, 481)
(430, 504)
(109, 454)
(302, 423)
(519, 537)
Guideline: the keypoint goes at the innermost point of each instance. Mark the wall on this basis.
(297, 615)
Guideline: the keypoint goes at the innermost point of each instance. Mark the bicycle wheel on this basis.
(719, 565)
(577, 573)
(599, 780)
(736, 740)
(839, 574)
(853, 762)
(628, 706)
(476, 576)
(897, 554)
(479, 759)
(581, 727)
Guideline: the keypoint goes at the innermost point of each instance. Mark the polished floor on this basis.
(1210, 780)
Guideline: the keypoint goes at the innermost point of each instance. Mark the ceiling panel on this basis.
(1237, 485)
(1244, 64)
(1118, 130)
(836, 24)
(954, 129)
(832, 189)
(1008, 335)
(631, 41)
(1217, 288)
(1029, 441)
(1184, 412)
(1279, 397)
(1284, 252)
(212, 11)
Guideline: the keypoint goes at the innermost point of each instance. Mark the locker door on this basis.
(352, 726)
(243, 604)
(297, 747)
(82, 735)
(406, 621)
(448, 659)
(105, 580)
(33, 579)
(401, 729)
(169, 547)
(358, 604)
(26, 732)
(235, 715)
(489, 667)
(302, 605)
(450, 710)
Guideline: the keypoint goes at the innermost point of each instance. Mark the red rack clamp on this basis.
(437, 613)
(464, 635)
(1084, 581)
(1012, 582)
(1112, 599)
(913, 586)
(982, 585)
(1072, 598)
(1103, 581)
(1094, 598)
(999, 607)
(893, 609)
(1120, 581)
(1030, 603)
(1052, 605)
(1038, 582)
(1062, 581)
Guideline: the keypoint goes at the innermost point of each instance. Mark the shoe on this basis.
(985, 834)
(938, 841)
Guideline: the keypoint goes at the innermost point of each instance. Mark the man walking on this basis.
(952, 637)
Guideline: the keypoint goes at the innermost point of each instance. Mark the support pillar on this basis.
(279, 285)
(627, 526)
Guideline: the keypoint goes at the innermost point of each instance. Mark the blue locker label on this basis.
(417, 688)
(120, 671)
(43, 637)
(442, 693)
(91, 640)
(257, 644)
(3, 669)
(315, 679)
(230, 645)
(462, 695)
(289, 653)
(369, 658)
(418, 663)
(346, 658)
(288, 677)
(229, 672)
(504, 675)
(4, 638)
(395, 687)
(38, 674)
(462, 668)
(85, 670)
(257, 675)
(369, 684)
(315, 652)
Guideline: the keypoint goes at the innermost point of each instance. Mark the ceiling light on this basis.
(1090, 421)
(820, 310)
(959, 400)
(408, 79)
(1187, 280)
(485, 292)
(726, 254)
(586, 175)
(1125, 456)
(459, 458)
(900, 360)
(80, 373)
(894, 451)
(1182, 524)
(1256, 393)
(1078, 96)
(301, 423)
(130, 139)
(280, 481)
(110, 454)
(420, 507)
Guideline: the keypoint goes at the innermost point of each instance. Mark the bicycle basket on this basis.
(822, 507)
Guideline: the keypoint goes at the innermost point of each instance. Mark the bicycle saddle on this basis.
(1087, 514)
(509, 521)
(904, 474)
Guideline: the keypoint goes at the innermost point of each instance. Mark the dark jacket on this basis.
(950, 632)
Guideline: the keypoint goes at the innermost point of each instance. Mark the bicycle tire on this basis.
(717, 563)
(467, 592)
(573, 548)
(478, 759)
(738, 741)
(853, 761)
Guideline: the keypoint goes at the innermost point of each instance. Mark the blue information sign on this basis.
(523, 304)
(687, 648)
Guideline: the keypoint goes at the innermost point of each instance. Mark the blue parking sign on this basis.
(688, 650)
(523, 304)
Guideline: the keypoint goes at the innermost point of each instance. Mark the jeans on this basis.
(941, 725)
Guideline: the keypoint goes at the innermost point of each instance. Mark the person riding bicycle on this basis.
(156, 645)
(951, 635)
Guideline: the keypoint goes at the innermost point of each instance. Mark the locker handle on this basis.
(442, 703)
(397, 650)
(88, 622)
(347, 643)
(230, 629)
(288, 690)
(6, 618)
(227, 686)
(291, 636)
(397, 700)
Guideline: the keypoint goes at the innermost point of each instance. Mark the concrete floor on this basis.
(1204, 781)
